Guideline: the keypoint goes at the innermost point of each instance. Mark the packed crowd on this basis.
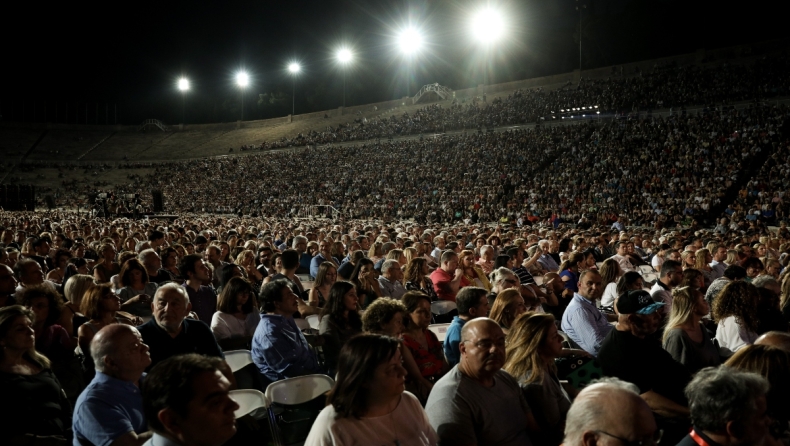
(88, 305)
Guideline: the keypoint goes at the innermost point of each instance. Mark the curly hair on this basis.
(381, 312)
(737, 299)
(54, 301)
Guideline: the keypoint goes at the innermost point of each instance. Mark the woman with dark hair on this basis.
(340, 320)
(28, 383)
(501, 261)
(610, 273)
(102, 307)
(368, 404)
(52, 339)
(106, 267)
(137, 292)
(589, 259)
(169, 257)
(226, 272)
(415, 278)
(753, 267)
(630, 281)
(364, 277)
(324, 279)
(569, 274)
(693, 278)
(422, 342)
(735, 310)
(62, 257)
(237, 315)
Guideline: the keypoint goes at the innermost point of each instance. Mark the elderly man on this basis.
(631, 353)
(391, 280)
(610, 412)
(477, 403)
(279, 348)
(728, 407)
(501, 280)
(28, 273)
(153, 266)
(187, 402)
(299, 243)
(778, 339)
(170, 333)
(486, 261)
(213, 256)
(545, 260)
(110, 410)
(437, 251)
(447, 278)
(203, 298)
(582, 321)
(472, 303)
(324, 255)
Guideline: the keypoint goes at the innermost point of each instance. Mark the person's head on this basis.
(76, 287)
(532, 344)
(276, 297)
(237, 293)
(192, 267)
(472, 302)
(704, 257)
(508, 305)
(735, 272)
(687, 304)
(753, 266)
(772, 268)
(108, 252)
(342, 304)
(29, 272)
(574, 262)
(368, 369)
(610, 271)
(118, 350)
(45, 303)
(384, 316)
(773, 364)
(170, 307)
(738, 299)
(299, 244)
(416, 269)
(719, 253)
(482, 349)
(590, 284)
(727, 402)
(98, 300)
(693, 278)
(639, 313)
(362, 270)
(449, 261)
(503, 279)
(621, 247)
(150, 260)
(610, 412)
(631, 280)
(17, 334)
(326, 275)
(8, 282)
(391, 270)
(671, 273)
(213, 254)
(688, 259)
(418, 310)
(186, 399)
(133, 272)
(779, 339)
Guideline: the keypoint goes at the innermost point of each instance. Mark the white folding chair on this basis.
(538, 280)
(646, 269)
(440, 330)
(238, 359)
(314, 320)
(249, 401)
(443, 307)
(293, 391)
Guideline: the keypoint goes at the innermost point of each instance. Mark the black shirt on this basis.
(345, 270)
(644, 363)
(160, 277)
(195, 337)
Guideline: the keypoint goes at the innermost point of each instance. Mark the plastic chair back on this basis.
(314, 320)
(299, 390)
(440, 330)
(249, 400)
(443, 307)
(238, 359)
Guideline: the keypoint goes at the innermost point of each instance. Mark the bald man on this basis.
(110, 410)
(610, 412)
(778, 339)
(477, 403)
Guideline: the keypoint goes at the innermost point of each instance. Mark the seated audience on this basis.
(472, 303)
(110, 410)
(237, 315)
(422, 342)
(137, 289)
(415, 278)
(731, 273)
(685, 337)
(202, 298)
(364, 278)
(326, 277)
(476, 402)
(735, 312)
(610, 273)
(106, 267)
(170, 332)
(391, 280)
(508, 306)
(340, 321)
(447, 277)
(582, 321)
(773, 364)
(368, 404)
(279, 348)
(186, 402)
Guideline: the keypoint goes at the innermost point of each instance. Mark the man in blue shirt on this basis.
(279, 348)
(324, 255)
(472, 303)
(110, 409)
(582, 321)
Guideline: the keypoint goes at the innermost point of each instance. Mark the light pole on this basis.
(410, 43)
(579, 6)
(344, 56)
(242, 80)
(294, 69)
(183, 86)
(487, 27)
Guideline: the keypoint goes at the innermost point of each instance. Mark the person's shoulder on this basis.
(148, 327)
(196, 325)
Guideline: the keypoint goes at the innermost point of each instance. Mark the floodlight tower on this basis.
(487, 27)
(344, 56)
(410, 42)
(242, 80)
(183, 86)
(294, 69)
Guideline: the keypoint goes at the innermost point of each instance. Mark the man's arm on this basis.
(664, 406)
(132, 439)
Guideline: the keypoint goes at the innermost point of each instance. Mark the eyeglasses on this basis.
(650, 442)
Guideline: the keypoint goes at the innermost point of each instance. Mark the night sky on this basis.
(132, 53)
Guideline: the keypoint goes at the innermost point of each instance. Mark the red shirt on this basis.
(441, 284)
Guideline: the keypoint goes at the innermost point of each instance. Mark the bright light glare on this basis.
(183, 84)
(294, 67)
(242, 79)
(409, 41)
(344, 55)
(487, 25)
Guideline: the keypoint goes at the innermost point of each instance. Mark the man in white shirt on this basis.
(671, 276)
(717, 265)
(622, 256)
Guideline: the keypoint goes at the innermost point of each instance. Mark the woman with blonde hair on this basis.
(732, 257)
(374, 253)
(704, 257)
(533, 344)
(685, 338)
(610, 273)
(409, 253)
(508, 305)
(688, 259)
(246, 260)
(324, 279)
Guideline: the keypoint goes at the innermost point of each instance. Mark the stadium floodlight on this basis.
(183, 87)
(344, 56)
(293, 68)
(183, 84)
(487, 25)
(242, 79)
(409, 41)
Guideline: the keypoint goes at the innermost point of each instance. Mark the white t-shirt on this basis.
(732, 337)
(609, 295)
(657, 262)
(407, 425)
(225, 325)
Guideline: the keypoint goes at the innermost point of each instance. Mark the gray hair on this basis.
(764, 281)
(174, 287)
(298, 239)
(587, 411)
(389, 264)
(719, 395)
(543, 243)
(501, 274)
(486, 248)
(144, 253)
